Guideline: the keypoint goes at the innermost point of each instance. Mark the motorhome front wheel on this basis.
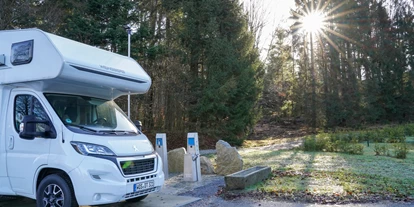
(55, 191)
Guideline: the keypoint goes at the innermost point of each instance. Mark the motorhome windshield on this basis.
(91, 115)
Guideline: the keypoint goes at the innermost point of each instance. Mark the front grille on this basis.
(132, 167)
(141, 193)
(131, 180)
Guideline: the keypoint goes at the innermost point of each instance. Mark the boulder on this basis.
(206, 165)
(176, 160)
(228, 160)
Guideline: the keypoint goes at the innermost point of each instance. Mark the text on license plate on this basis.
(143, 185)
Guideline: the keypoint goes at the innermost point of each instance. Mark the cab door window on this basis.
(29, 105)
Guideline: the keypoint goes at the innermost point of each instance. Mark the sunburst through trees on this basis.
(329, 30)
(323, 17)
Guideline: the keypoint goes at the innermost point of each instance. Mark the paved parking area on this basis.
(153, 200)
(167, 197)
(177, 192)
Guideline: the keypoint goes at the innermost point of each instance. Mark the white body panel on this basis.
(68, 68)
(5, 187)
(24, 157)
(63, 65)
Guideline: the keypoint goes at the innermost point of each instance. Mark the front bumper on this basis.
(100, 181)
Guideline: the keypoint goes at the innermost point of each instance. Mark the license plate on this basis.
(143, 185)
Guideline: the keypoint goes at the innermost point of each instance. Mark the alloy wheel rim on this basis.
(53, 196)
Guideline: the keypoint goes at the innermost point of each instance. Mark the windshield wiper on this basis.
(118, 132)
(83, 127)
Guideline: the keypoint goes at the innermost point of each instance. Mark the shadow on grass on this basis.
(336, 177)
(379, 174)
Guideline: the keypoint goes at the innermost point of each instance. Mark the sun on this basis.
(312, 18)
(321, 21)
(313, 22)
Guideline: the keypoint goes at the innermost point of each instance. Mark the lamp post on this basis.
(128, 29)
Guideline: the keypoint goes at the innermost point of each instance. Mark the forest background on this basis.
(208, 76)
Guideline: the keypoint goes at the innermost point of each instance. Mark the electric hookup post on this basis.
(161, 149)
(192, 170)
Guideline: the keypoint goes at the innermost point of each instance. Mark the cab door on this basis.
(24, 156)
(5, 188)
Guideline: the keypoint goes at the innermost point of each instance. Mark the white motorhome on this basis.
(63, 140)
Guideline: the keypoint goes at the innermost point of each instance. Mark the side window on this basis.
(28, 105)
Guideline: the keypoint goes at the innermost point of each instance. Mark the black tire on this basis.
(137, 199)
(54, 190)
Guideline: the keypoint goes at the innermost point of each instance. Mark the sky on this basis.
(277, 10)
(273, 12)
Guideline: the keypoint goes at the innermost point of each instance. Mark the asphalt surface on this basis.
(153, 200)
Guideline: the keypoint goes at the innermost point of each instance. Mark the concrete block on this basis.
(245, 178)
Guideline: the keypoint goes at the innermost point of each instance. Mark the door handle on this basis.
(11, 142)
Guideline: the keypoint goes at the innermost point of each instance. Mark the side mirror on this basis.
(31, 128)
(138, 124)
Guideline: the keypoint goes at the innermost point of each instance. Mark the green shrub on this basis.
(409, 129)
(310, 143)
(349, 136)
(381, 149)
(369, 135)
(379, 136)
(364, 136)
(346, 137)
(351, 142)
(355, 149)
(330, 142)
(359, 136)
(396, 135)
(316, 143)
(351, 147)
(330, 147)
(343, 146)
(400, 150)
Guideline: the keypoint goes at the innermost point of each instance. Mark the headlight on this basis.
(91, 149)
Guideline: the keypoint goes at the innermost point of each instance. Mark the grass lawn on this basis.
(334, 177)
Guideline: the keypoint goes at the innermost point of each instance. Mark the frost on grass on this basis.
(294, 160)
(332, 177)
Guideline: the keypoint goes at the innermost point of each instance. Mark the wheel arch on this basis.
(63, 177)
(49, 171)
